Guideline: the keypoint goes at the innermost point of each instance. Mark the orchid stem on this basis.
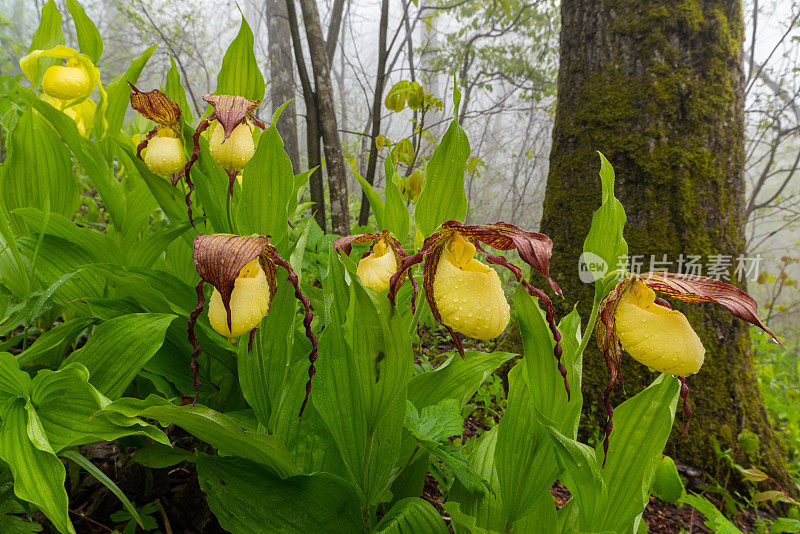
(231, 224)
(590, 325)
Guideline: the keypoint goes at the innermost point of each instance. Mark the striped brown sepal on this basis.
(231, 111)
(692, 288)
(155, 106)
(534, 248)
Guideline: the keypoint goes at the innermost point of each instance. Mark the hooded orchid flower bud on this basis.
(377, 268)
(67, 82)
(249, 302)
(164, 154)
(234, 152)
(468, 293)
(657, 336)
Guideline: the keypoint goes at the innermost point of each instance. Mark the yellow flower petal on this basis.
(468, 293)
(376, 269)
(234, 152)
(67, 83)
(164, 155)
(658, 337)
(249, 302)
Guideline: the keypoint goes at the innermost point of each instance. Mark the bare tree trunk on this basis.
(660, 91)
(313, 149)
(281, 70)
(377, 101)
(337, 182)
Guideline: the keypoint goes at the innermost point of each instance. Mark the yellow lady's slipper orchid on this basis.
(243, 272)
(234, 152)
(164, 154)
(231, 140)
(82, 113)
(468, 293)
(376, 269)
(657, 336)
(465, 295)
(249, 302)
(68, 82)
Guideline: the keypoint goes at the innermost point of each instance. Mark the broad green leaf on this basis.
(239, 74)
(98, 245)
(38, 476)
(396, 209)
(375, 202)
(214, 428)
(641, 427)
(604, 249)
(57, 256)
(247, 497)
(714, 519)
(14, 272)
(66, 405)
(119, 348)
(13, 382)
(436, 422)
(667, 484)
(37, 168)
(89, 39)
(524, 457)
(363, 368)
(443, 195)
(267, 185)
(412, 516)
(457, 378)
(119, 92)
(49, 349)
(174, 90)
(49, 33)
(146, 251)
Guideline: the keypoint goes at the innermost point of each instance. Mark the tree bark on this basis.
(337, 182)
(658, 88)
(281, 69)
(313, 149)
(377, 106)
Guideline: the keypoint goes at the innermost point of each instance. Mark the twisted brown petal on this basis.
(687, 410)
(534, 248)
(195, 367)
(220, 257)
(141, 146)
(155, 106)
(343, 244)
(428, 246)
(231, 111)
(692, 288)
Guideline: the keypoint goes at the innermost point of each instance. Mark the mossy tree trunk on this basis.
(657, 86)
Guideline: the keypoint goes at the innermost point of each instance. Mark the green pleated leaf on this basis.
(605, 249)
(169, 198)
(119, 92)
(214, 428)
(38, 475)
(38, 166)
(89, 39)
(119, 348)
(363, 368)
(457, 378)
(247, 497)
(240, 74)
(397, 217)
(443, 195)
(49, 349)
(146, 251)
(174, 89)
(412, 516)
(46, 36)
(267, 187)
(375, 201)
